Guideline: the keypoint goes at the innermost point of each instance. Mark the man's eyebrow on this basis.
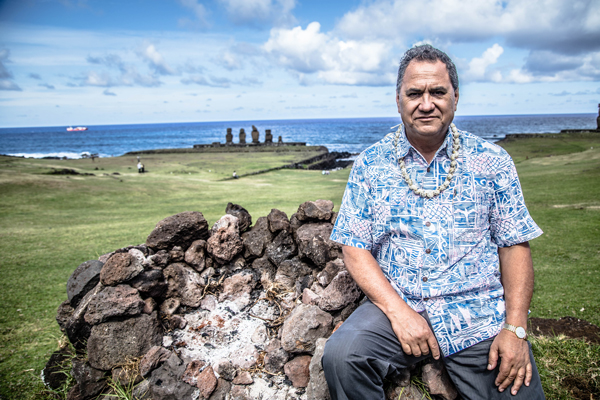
(438, 89)
(413, 90)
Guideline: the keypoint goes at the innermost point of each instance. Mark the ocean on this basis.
(348, 134)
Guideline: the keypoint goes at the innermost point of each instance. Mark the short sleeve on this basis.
(510, 221)
(353, 226)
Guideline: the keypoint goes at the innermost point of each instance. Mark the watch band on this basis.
(519, 331)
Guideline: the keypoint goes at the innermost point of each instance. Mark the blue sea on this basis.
(348, 134)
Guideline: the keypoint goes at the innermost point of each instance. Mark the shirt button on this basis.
(426, 299)
(427, 223)
(424, 279)
(428, 251)
(428, 169)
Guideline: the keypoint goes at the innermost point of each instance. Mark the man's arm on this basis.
(516, 269)
(412, 329)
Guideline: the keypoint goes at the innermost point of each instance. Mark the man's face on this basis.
(426, 100)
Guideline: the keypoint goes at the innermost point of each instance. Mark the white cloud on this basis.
(331, 60)
(558, 25)
(199, 12)
(260, 13)
(156, 61)
(478, 66)
(6, 77)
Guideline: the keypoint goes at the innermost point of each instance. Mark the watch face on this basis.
(520, 332)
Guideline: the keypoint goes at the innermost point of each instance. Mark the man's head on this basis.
(426, 95)
(429, 53)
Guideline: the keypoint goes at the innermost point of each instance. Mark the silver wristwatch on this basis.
(517, 330)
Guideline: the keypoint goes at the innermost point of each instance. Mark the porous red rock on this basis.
(153, 359)
(278, 220)
(114, 301)
(184, 284)
(341, 291)
(178, 230)
(225, 242)
(237, 288)
(297, 371)
(257, 238)
(435, 376)
(289, 271)
(243, 378)
(315, 210)
(195, 255)
(313, 242)
(120, 268)
(200, 376)
(303, 327)
(330, 271)
(276, 357)
(110, 343)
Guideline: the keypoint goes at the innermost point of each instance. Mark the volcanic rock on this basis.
(178, 230)
(243, 216)
(297, 371)
(435, 376)
(317, 385)
(315, 210)
(303, 327)
(85, 277)
(165, 382)
(90, 380)
(341, 292)
(184, 284)
(114, 301)
(120, 267)
(195, 255)
(278, 221)
(110, 343)
(225, 242)
(150, 283)
(153, 359)
(257, 238)
(281, 248)
(314, 244)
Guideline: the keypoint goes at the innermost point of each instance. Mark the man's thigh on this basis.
(368, 334)
(468, 370)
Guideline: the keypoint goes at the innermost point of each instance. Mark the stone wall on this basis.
(231, 312)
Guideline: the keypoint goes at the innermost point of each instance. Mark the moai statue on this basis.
(280, 141)
(242, 136)
(598, 118)
(229, 137)
(255, 135)
(268, 136)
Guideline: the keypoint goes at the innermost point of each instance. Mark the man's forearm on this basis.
(517, 275)
(366, 272)
(412, 330)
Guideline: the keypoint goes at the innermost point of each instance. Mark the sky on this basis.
(91, 62)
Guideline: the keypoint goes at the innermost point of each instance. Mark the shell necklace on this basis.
(429, 194)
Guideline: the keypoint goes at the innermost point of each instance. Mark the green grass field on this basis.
(49, 224)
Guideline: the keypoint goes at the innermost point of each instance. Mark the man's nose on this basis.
(426, 104)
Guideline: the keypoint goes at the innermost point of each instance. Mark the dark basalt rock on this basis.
(82, 280)
(243, 216)
(178, 230)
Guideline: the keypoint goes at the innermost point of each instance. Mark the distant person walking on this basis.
(235, 175)
(140, 167)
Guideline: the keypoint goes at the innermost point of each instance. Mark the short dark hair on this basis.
(429, 53)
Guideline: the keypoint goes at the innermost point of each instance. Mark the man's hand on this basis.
(515, 365)
(414, 334)
(412, 330)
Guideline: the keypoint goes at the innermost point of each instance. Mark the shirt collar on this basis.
(404, 145)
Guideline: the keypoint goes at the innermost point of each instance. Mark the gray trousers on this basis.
(365, 350)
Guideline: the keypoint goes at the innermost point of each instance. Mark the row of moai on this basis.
(255, 136)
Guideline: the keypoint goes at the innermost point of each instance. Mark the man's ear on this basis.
(398, 100)
(455, 99)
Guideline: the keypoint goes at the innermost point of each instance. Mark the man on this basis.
(435, 231)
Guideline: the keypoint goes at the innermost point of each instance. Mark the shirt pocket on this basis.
(473, 200)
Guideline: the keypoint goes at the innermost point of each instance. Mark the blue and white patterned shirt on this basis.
(439, 254)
